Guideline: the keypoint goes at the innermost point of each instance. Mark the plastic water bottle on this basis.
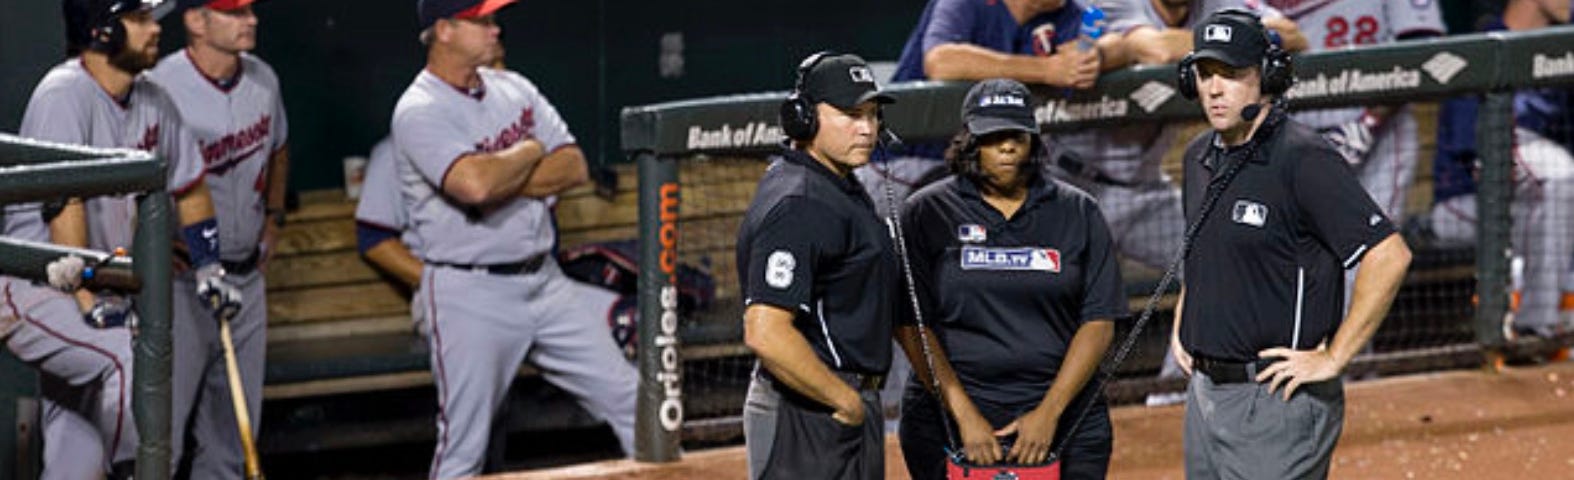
(1092, 28)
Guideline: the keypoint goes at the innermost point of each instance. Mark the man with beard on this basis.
(83, 348)
(230, 100)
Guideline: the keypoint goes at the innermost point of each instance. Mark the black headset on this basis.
(1278, 72)
(799, 120)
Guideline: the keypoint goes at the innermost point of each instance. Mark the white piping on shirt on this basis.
(1354, 257)
(829, 345)
(1300, 296)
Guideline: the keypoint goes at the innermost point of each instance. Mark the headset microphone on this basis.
(1250, 112)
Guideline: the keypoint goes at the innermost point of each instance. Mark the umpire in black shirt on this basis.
(818, 277)
(1261, 325)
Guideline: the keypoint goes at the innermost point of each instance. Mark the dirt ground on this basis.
(1465, 425)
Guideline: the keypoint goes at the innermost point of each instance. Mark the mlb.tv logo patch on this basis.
(1037, 259)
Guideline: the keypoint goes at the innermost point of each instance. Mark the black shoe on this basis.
(123, 470)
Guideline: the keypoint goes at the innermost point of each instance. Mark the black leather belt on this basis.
(859, 381)
(524, 267)
(1080, 169)
(1225, 371)
(244, 266)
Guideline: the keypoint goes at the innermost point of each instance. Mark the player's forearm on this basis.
(393, 257)
(1113, 54)
(962, 61)
(69, 227)
(561, 170)
(1081, 363)
(1153, 46)
(194, 206)
(786, 354)
(1290, 37)
(278, 179)
(486, 178)
(1378, 280)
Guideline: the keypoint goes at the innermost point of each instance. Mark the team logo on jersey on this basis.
(522, 128)
(1250, 213)
(225, 153)
(971, 233)
(1044, 40)
(778, 269)
(1217, 33)
(1037, 259)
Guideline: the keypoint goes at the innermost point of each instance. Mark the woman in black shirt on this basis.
(1018, 283)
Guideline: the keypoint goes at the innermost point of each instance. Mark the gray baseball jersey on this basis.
(238, 125)
(380, 203)
(84, 431)
(68, 106)
(433, 125)
(481, 324)
(238, 129)
(1335, 24)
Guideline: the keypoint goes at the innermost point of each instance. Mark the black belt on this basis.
(1078, 168)
(1226, 371)
(242, 267)
(859, 381)
(523, 267)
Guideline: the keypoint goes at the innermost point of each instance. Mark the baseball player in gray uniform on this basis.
(96, 98)
(381, 223)
(231, 102)
(478, 152)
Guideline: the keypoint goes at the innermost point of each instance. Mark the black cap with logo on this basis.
(1232, 36)
(844, 81)
(996, 105)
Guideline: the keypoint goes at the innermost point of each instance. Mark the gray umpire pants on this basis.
(1241, 431)
(789, 436)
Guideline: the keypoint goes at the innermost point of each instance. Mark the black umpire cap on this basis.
(844, 81)
(1232, 36)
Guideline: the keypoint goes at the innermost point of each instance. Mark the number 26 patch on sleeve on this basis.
(1038, 259)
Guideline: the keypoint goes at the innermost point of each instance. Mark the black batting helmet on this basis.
(95, 24)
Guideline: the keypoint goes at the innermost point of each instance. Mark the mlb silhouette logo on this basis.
(1217, 33)
(861, 74)
(1250, 213)
(971, 233)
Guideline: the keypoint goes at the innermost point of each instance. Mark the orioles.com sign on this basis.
(671, 412)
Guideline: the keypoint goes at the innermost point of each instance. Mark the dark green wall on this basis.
(343, 63)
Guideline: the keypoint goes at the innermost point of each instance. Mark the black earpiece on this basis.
(798, 118)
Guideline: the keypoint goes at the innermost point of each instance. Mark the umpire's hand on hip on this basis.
(1298, 367)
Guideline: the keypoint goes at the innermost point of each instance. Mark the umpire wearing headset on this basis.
(1261, 327)
(819, 280)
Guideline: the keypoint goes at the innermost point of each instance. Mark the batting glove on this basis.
(111, 312)
(1353, 140)
(217, 294)
(65, 273)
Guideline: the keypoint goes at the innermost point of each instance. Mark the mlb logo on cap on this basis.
(971, 233)
(861, 74)
(1011, 100)
(1217, 33)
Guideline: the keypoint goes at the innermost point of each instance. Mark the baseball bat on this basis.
(238, 398)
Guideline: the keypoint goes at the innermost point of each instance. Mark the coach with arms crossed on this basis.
(1259, 325)
(819, 277)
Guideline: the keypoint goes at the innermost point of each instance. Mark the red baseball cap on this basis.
(222, 5)
(433, 10)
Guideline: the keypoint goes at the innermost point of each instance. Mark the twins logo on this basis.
(1044, 40)
(226, 152)
(522, 128)
(1034, 259)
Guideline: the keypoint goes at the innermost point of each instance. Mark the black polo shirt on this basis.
(1267, 268)
(812, 243)
(1005, 296)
